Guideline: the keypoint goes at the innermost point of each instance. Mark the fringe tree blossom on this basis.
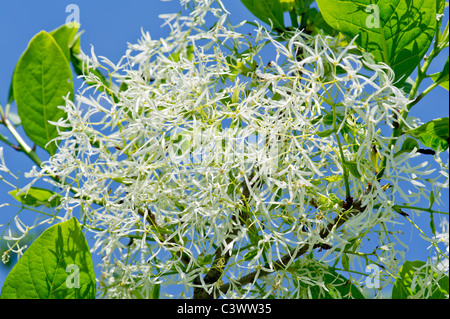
(222, 162)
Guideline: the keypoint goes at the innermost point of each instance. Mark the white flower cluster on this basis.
(443, 237)
(217, 141)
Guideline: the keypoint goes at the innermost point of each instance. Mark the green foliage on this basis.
(58, 265)
(13, 257)
(409, 144)
(353, 169)
(398, 32)
(268, 11)
(434, 134)
(143, 293)
(65, 36)
(311, 272)
(441, 78)
(409, 282)
(41, 79)
(37, 197)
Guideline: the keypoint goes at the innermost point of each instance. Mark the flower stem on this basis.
(24, 147)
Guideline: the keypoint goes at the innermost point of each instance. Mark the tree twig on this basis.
(221, 259)
(347, 213)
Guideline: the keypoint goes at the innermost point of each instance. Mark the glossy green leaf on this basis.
(145, 292)
(409, 144)
(397, 32)
(250, 254)
(432, 224)
(268, 11)
(316, 22)
(58, 265)
(338, 287)
(440, 6)
(36, 196)
(408, 285)
(442, 78)
(325, 133)
(11, 89)
(41, 79)
(441, 290)
(434, 134)
(353, 168)
(65, 37)
(186, 53)
(156, 291)
(345, 262)
(402, 286)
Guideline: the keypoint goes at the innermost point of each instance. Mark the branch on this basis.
(150, 217)
(352, 209)
(221, 259)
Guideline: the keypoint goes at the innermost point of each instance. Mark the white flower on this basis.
(2, 162)
(443, 237)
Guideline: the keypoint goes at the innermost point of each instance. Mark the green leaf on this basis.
(397, 32)
(402, 286)
(337, 286)
(442, 78)
(156, 291)
(328, 119)
(345, 262)
(434, 134)
(205, 259)
(432, 199)
(58, 265)
(353, 168)
(325, 133)
(441, 290)
(41, 79)
(36, 196)
(268, 11)
(407, 284)
(250, 254)
(65, 37)
(443, 83)
(407, 85)
(432, 225)
(315, 23)
(440, 6)
(333, 178)
(409, 144)
(144, 292)
(11, 88)
(187, 53)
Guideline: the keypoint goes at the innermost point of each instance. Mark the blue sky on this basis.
(109, 26)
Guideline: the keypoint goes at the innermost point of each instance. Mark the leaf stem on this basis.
(24, 147)
(421, 209)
